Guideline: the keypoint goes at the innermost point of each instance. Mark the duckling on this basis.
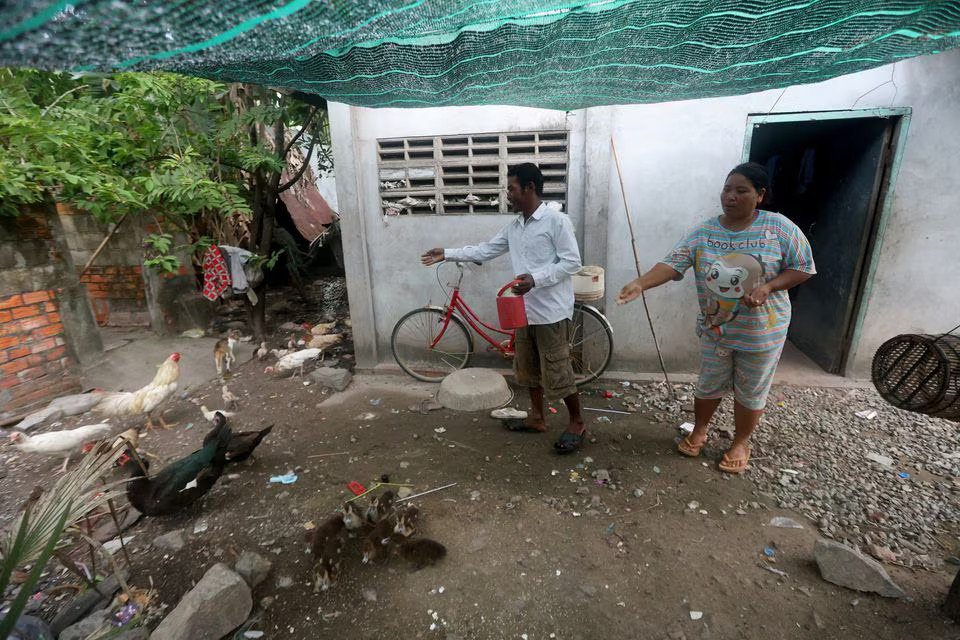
(379, 539)
(421, 553)
(327, 547)
(380, 506)
(353, 517)
(407, 521)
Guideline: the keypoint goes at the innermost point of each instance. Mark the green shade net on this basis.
(545, 53)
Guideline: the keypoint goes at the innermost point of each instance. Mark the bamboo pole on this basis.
(636, 260)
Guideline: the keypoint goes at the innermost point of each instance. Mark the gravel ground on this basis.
(811, 451)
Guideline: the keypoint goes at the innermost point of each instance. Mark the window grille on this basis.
(466, 174)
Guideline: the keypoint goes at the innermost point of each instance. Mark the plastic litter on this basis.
(507, 412)
(879, 459)
(193, 333)
(552, 410)
(904, 474)
(188, 426)
(440, 430)
(686, 427)
(375, 401)
(696, 615)
(603, 419)
(608, 394)
(124, 615)
(866, 414)
(287, 478)
(785, 523)
(769, 552)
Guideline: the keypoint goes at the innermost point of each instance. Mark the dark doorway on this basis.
(829, 176)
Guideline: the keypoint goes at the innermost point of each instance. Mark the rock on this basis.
(474, 389)
(219, 603)
(284, 582)
(336, 379)
(172, 541)
(84, 602)
(847, 567)
(30, 628)
(370, 595)
(253, 568)
(92, 623)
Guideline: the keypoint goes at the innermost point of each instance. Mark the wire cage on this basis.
(921, 373)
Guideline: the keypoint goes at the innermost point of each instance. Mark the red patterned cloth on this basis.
(216, 274)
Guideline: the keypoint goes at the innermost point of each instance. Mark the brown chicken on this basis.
(143, 401)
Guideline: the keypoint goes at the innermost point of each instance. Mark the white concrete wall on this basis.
(391, 269)
(674, 158)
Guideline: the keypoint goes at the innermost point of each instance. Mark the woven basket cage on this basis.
(920, 373)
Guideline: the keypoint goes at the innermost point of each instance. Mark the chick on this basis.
(407, 521)
(421, 553)
(379, 539)
(353, 517)
(327, 546)
(230, 401)
(262, 352)
(380, 506)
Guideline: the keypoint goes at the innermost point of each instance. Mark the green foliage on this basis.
(194, 153)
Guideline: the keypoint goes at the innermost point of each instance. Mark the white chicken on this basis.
(293, 362)
(60, 443)
(146, 399)
(263, 351)
(211, 416)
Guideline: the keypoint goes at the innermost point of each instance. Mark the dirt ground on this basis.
(528, 556)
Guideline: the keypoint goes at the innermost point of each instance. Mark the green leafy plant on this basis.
(48, 522)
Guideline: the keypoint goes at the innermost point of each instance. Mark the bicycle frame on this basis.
(459, 304)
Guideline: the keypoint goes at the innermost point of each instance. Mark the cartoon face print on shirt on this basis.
(728, 279)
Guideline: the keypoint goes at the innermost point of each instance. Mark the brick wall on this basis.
(117, 295)
(114, 281)
(34, 362)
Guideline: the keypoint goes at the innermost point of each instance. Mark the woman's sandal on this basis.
(734, 465)
(690, 448)
(569, 442)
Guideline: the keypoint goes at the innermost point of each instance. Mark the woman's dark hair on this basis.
(755, 173)
(525, 174)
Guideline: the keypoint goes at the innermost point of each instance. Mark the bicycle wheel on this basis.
(591, 343)
(415, 332)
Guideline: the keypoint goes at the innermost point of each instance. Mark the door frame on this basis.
(888, 181)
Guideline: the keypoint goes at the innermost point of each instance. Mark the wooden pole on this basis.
(636, 260)
(102, 245)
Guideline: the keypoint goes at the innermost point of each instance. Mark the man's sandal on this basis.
(734, 465)
(569, 442)
(690, 448)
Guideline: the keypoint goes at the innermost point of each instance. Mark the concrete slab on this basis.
(133, 355)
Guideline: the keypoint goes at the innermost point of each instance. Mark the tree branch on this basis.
(303, 128)
(306, 163)
(62, 96)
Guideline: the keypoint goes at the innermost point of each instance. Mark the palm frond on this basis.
(73, 495)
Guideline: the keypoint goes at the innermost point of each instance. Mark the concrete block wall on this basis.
(115, 280)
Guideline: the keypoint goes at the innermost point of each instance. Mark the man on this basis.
(544, 253)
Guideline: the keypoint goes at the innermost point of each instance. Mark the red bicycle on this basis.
(431, 342)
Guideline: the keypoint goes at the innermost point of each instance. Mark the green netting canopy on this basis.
(546, 53)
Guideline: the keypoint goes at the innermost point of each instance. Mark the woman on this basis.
(744, 260)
